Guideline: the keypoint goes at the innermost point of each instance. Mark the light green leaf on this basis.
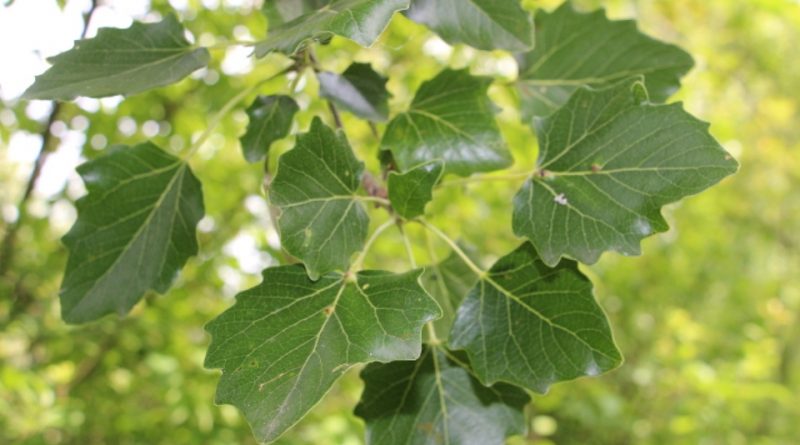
(435, 400)
(450, 119)
(483, 24)
(448, 282)
(359, 90)
(286, 341)
(270, 120)
(359, 20)
(608, 162)
(527, 324)
(321, 221)
(409, 192)
(120, 61)
(575, 49)
(282, 11)
(135, 231)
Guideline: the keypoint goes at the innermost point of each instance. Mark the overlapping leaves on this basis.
(359, 90)
(270, 119)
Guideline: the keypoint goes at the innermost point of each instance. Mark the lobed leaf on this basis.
(527, 324)
(436, 400)
(282, 11)
(135, 231)
(286, 341)
(120, 61)
(483, 24)
(451, 119)
(608, 161)
(575, 49)
(448, 282)
(409, 192)
(270, 120)
(321, 221)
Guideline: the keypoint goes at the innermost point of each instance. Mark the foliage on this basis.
(446, 199)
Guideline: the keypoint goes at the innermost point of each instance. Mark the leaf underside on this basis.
(120, 61)
(359, 90)
(286, 341)
(530, 325)
(135, 231)
(451, 119)
(575, 49)
(270, 119)
(608, 161)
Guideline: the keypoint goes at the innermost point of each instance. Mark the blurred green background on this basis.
(708, 318)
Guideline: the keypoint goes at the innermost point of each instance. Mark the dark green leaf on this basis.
(359, 20)
(135, 231)
(448, 282)
(450, 119)
(286, 341)
(483, 24)
(435, 400)
(321, 220)
(607, 164)
(359, 90)
(530, 325)
(120, 61)
(575, 49)
(409, 192)
(282, 11)
(270, 120)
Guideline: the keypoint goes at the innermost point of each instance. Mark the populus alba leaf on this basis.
(451, 119)
(120, 61)
(321, 221)
(359, 90)
(409, 192)
(482, 24)
(135, 231)
(435, 400)
(608, 161)
(270, 120)
(282, 11)
(286, 341)
(575, 49)
(448, 282)
(359, 20)
(527, 324)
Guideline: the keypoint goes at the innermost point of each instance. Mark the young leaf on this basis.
(608, 162)
(527, 324)
(452, 119)
(135, 231)
(435, 400)
(359, 90)
(483, 24)
(409, 192)
(282, 11)
(286, 341)
(120, 61)
(448, 282)
(270, 120)
(321, 222)
(575, 49)
(359, 20)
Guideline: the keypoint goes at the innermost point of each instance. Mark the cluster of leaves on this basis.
(610, 155)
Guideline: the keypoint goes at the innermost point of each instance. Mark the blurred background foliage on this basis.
(707, 318)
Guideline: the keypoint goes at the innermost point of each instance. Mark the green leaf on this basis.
(286, 341)
(359, 20)
(435, 400)
(448, 282)
(483, 24)
(575, 49)
(450, 119)
(282, 11)
(359, 90)
(120, 61)
(135, 231)
(607, 164)
(270, 120)
(409, 192)
(321, 222)
(527, 324)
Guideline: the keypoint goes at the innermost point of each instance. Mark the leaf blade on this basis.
(359, 90)
(270, 119)
(409, 192)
